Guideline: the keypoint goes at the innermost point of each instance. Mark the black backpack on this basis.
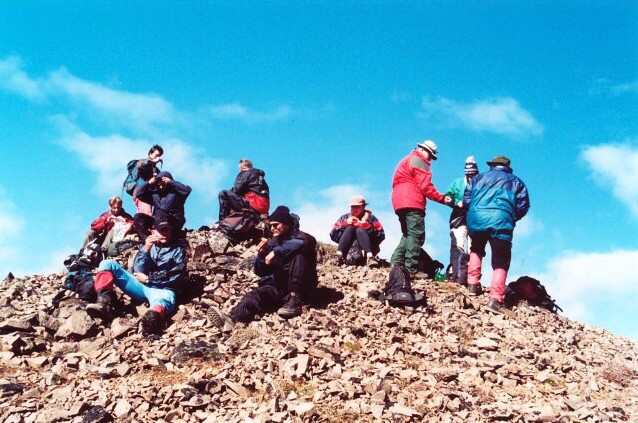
(428, 265)
(531, 290)
(136, 169)
(81, 282)
(240, 225)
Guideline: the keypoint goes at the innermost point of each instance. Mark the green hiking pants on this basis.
(413, 237)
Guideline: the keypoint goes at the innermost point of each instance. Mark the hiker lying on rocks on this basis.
(411, 185)
(459, 239)
(110, 226)
(159, 270)
(359, 225)
(167, 197)
(495, 202)
(250, 191)
(287, 264)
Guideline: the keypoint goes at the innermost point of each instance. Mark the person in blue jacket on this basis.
(167, 197)
(159, 271)
(287, 265)
(496, 200)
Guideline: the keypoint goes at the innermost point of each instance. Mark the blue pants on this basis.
(162, 297)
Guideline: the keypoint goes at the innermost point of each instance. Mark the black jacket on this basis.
(170, 202)
(251, 180)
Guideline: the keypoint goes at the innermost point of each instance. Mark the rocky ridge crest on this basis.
(347, 358)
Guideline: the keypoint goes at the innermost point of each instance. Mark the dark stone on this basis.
(97, 414)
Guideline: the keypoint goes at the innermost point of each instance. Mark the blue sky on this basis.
(326, 98)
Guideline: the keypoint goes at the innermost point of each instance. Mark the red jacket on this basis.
(102, 223)
(412, 183)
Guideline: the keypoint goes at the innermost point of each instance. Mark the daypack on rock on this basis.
(239, 225)
(428, 265)
(81, 282)
(88, 258)
(355, 256)
(398, 290)
(531, 290)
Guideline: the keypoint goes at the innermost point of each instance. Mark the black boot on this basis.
(152, 323)
(292, 308)
(104, 306)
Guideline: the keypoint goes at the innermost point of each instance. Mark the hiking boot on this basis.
(475, 289)
(292, 308)
(495, 306)
(340, 259)
(104, 307)
(372, 260)
(152, 323)
(400, 299)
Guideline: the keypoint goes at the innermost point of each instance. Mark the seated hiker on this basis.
(110, 226)
(159, 270)
(496, 200)
(359, 225)
(249, 191)
(287, 264)
(459, 240)
(167, 197)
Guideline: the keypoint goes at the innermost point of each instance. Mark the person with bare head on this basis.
(250, 191)
(102, 227)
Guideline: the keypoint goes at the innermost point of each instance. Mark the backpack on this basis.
(355, 256)
(131, 178)
(239, 225)
(531, 290)
(398, 290)
(428, 265)
(138, 169)
(81, 282)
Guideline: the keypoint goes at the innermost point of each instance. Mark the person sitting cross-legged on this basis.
(159, 270)
(359, 225)
(287, 264)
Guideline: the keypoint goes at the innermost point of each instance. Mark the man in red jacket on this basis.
(103, 224)
(411, 185)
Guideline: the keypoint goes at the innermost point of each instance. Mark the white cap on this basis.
(429, 146)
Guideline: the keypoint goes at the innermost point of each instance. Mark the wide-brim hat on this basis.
(358, 200)
(430, 147)
(499, 161)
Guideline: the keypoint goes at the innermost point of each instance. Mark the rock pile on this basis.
(347, 358)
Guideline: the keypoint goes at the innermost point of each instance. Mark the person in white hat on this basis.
(359, 225)
(411, 185)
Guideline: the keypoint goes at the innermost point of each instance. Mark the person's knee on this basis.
(109, 266)
(166, 298)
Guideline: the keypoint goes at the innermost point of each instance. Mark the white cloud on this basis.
(139, 111)
(501, 115)
(318, 216)
(616, 166)
(108, 155)
(236, 111)
(577, 280)
(625, 88)
(11, 228)
(528, 226)
(14, 79)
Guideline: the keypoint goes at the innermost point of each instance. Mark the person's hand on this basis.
(459, 204)
(141, 277)
(166, 179)
(152, 181)
(352, 220)
(153, 238)
(447, 200)
(270, 257)
(261, 247)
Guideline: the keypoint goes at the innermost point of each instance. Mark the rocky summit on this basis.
(347, 358)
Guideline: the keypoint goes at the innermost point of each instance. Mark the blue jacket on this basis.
(495, 201)
(165, 266)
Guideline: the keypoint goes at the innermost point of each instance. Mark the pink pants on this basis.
(501, 257)
(143, 207)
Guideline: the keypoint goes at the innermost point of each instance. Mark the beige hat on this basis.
(358, 200)
(429, 146)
